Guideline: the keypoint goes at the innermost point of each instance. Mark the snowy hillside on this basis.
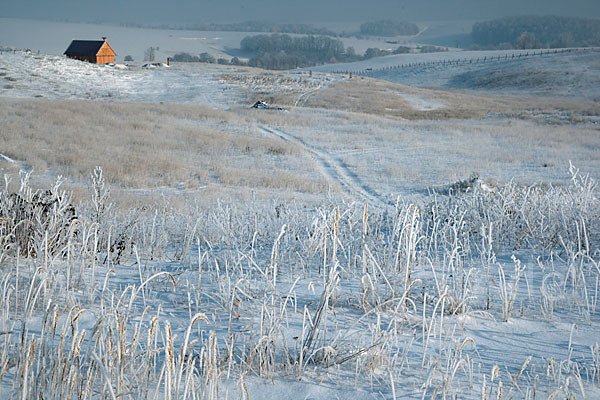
(413, 58)
(25, 74)
(574, 74)
(32, 75)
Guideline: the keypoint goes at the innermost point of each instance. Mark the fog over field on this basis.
(289, 11)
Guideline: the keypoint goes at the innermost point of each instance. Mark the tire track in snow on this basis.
(305, 96)
(334, 169)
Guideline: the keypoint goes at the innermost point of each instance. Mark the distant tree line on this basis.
(374, 28)
(389, 28)
(281, 51)
(537, 32)
(277, 51)
(206, 58)
(258, 26)
(375, 52)
(246, 26)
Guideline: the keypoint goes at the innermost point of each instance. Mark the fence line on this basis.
(465, 61)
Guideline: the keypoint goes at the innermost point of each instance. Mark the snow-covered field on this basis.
(486, 288)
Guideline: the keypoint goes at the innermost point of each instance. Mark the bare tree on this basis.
(528, 40)
(149, 54)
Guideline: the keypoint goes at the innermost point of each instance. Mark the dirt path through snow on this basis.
(334, 169)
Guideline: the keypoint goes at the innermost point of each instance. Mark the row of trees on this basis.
(386, 28)
(206, 58)
(389, 28)
(278, 51)
(286, 58)
(537, 32)
(246, 26)
(375, 52)
(281, 51)
(263, 26)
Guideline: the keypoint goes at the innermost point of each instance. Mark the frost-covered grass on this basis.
(351, 257)
(408, 158)
(482, 293)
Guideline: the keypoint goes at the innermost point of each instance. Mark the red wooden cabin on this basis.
(94, 51)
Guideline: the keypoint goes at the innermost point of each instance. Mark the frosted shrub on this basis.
(36, 220)
(508, 293)
(533, 217)
(100, 195)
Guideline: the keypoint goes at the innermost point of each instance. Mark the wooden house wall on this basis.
(105, 59)
(106, 54)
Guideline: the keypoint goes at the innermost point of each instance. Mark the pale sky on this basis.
(306, 11)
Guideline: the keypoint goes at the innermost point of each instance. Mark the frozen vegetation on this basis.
(487, 292)
(337, 247)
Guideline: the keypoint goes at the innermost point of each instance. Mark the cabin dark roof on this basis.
(84, 47)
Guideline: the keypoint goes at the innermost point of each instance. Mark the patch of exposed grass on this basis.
(149, 145)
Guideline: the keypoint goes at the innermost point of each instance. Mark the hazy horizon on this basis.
(308, 11)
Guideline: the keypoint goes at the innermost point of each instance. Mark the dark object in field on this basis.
(36, 220)
(264, 106)
(155, 65)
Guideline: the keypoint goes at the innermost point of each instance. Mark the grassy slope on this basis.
(150, 145)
